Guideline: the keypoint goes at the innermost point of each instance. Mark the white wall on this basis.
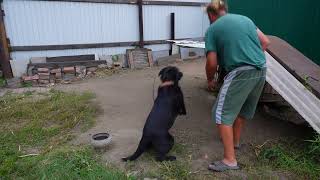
(32, 23)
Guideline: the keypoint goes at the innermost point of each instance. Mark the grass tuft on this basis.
(41, 124)
(299, 157)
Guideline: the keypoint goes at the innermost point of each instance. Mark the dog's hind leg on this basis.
(143, 145)
(163, 145)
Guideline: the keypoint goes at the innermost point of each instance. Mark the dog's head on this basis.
(170, 73)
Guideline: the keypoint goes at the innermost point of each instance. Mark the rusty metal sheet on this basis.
(304, 69)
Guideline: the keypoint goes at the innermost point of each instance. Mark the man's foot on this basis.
(238, 146)
(220, 166)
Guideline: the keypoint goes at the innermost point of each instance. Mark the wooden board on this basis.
(67, 64)
(304, 69)
(90, 57)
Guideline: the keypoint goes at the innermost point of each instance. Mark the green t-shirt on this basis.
(235, 40)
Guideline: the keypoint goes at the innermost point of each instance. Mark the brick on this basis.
(58, 75)
(44, 77)
(43, 70)
(26, 78)
(68, 70)
(43, 74)
(92, 69)
(54, 71)
(35, 77)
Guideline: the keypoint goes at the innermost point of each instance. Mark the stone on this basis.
(81, 69)
(109, 60)
(38, 60)
(44, 81)
(103, 66)
(52, 80)
(13, 83)
(31, 70)
(35, 83)
(43, 70)
(68, 77)
(54, 71)
(68, 70)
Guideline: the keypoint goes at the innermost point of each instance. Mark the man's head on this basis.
(170, 73)
(216, 9)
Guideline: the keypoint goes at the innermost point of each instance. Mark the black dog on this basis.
(167, 106)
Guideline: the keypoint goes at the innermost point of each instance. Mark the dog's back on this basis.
(167, 106)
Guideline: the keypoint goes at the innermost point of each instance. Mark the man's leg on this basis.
(226, 133)
(237, 129)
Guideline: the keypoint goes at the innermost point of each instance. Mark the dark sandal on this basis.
(220, 166)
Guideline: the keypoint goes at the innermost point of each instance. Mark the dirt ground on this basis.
(127, 98)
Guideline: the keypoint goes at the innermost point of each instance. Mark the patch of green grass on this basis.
(2, 82)
(299, 157)
(175, 170)
(26, 84)
(40, 124)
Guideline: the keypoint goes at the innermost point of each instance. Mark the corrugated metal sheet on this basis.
(191, 22)
(48, 23)
(298, 96)
(31, 23)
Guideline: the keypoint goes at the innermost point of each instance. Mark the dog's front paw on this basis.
(166, 158)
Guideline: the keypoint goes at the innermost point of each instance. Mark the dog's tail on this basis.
(143, 145)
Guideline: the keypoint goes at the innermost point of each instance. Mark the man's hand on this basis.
(211, 69)
(212, 85)
(264, 40)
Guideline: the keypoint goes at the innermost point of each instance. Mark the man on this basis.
(234, 43)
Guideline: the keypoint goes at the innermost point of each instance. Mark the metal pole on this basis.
(172, 31)
(141, 41)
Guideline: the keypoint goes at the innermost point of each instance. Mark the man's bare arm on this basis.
(264, 40)
(211, 69)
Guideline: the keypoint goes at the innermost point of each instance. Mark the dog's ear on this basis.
(179, 76)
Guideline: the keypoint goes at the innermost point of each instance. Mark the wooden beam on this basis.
(89, 46)
(140, 14)
(4, 48)
(161, 3)
(84, 46)
(66, 64)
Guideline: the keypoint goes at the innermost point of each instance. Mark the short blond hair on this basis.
(216, 6)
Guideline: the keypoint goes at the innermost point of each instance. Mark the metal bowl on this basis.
(101, 140)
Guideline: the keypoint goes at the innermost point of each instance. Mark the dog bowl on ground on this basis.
(101, 140)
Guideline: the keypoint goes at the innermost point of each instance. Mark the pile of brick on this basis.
(46, 76)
